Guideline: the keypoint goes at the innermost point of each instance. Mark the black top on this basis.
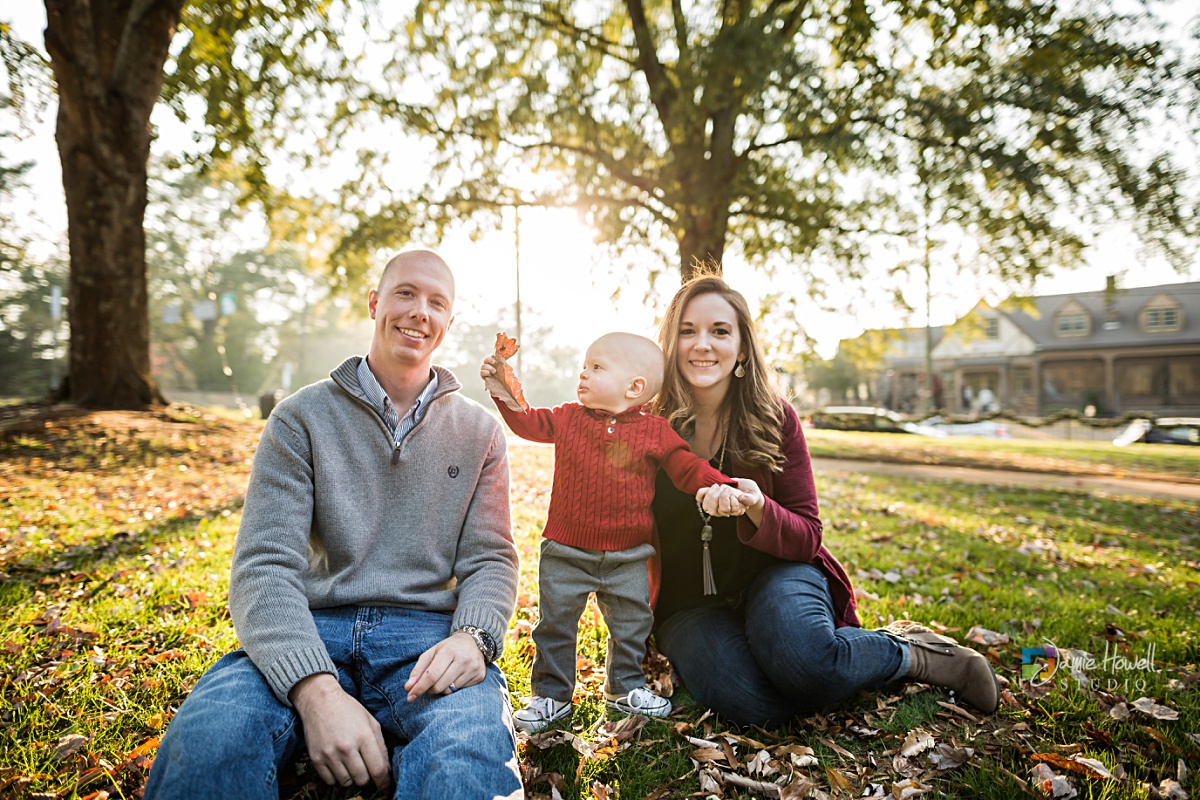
(734, 565)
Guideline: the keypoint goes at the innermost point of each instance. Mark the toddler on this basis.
(599, 527)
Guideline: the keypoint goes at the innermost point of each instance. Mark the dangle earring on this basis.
(740, 371)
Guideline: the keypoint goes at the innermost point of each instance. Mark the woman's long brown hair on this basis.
(752, 410)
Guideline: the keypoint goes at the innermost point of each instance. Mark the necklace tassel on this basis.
(710, 585)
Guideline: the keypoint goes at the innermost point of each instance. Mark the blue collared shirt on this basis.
(378, 398)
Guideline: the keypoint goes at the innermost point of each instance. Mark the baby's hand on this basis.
(720, 500)
(493, 371)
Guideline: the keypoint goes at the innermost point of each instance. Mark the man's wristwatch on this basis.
(483, 640)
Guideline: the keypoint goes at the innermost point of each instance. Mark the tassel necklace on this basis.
(706, 533)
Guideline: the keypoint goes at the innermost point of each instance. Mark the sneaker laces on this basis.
(642, 697)
(544, 707)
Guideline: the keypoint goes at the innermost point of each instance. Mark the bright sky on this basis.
(567, 282)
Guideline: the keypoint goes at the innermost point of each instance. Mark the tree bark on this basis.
(108, 57)
(703, 239)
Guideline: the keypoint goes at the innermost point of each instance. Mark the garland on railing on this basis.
(1066, 414)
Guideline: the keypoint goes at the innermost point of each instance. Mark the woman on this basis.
(759, 620)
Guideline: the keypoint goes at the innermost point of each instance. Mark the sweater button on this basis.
(612, 420)
(611, 429)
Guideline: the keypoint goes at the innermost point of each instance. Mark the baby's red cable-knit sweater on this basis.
(604, 468)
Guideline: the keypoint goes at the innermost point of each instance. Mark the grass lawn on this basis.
(1169, 462)
(116, 532)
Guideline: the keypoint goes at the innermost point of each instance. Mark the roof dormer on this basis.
(1161, 314)
(1072, 321)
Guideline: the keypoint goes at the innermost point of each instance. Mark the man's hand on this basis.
(344, 740)
(454, 660)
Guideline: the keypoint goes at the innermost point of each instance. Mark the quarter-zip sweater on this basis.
(336, 514)
(604, 468)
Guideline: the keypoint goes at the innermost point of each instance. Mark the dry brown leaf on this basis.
(946, 757)
(962, 712)
(909, 787)
(504, 384)
(1148, 706)
(1170, 789)
(981, 635)
(69, 745)
(917, 742)
(708, 754)
(710, 782)
(1055, 785)
(837, 781)
(800, 787)
(832, 745)
(1073, 764)
(625, 728)
(602, 791)
(761, 765)
(1119, 711)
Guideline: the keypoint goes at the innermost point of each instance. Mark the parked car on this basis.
(986, 428)
(865, 418)
(1168, 430)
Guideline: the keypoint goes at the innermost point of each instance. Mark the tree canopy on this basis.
(803, 128)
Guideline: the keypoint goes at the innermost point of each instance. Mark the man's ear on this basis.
(637, 387)
(372, 300)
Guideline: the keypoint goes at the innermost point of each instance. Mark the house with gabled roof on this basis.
(1114, 350)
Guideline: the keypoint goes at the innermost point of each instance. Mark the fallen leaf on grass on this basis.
(908, 787)
(624, 728)
(601, 791)
(708, 754)
(1053, 784)
(981, 635)
(761, 765)
(1119, 711)
(946, 757)
(838, 749)
(962, 712)
(1148, 706)
(1170, 790)
(1088, 767)
(837, 781)
(69, 745)
(917, 742)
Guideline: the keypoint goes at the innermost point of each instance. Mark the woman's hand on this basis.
(720, 500)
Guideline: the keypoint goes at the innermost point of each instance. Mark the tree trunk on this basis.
(702, 242)
(108, 58)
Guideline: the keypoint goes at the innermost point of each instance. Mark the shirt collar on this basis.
(379, 398)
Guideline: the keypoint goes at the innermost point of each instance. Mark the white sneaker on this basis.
(539, 712)
(640, 701)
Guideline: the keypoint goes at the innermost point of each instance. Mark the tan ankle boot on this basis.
(941, 661)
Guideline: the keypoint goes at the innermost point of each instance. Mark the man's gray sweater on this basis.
(335, 516)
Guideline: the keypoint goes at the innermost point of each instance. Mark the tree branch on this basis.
(662, 91)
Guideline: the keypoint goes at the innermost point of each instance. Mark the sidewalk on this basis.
(1128, 487)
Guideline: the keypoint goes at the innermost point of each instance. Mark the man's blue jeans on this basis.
(231, 735)
(778, 654)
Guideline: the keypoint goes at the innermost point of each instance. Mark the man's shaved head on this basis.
(415, 258)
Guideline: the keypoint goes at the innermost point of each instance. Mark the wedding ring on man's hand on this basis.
(452, 688)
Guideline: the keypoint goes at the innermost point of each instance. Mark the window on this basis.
(1161, 320)
(1072, 324)
(991, 328)
(1022, 380)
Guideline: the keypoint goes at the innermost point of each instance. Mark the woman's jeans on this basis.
(778, 654)
(231, 734)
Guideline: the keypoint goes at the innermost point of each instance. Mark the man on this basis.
(373, 578)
